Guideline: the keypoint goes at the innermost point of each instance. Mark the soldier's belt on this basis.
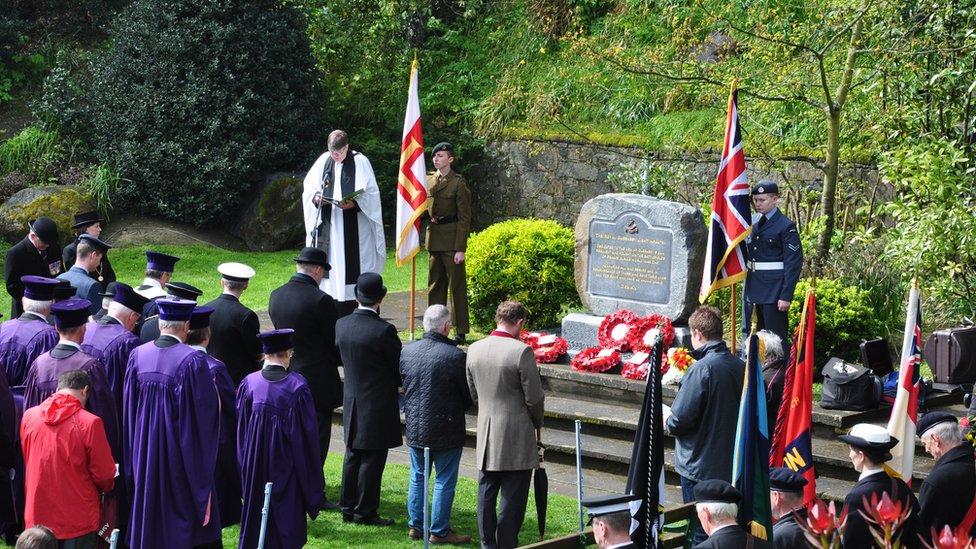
(764, 265)
(442, 219)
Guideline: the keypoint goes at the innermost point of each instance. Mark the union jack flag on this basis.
(725, 256)
(904, 412)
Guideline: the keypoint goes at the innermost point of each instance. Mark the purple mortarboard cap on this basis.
(127, 297)
(71, 313)
(39, 288)
(276, 341)
(200, 318)
(158, 261)
(175, 309)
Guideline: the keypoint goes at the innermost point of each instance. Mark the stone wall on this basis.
(552, 179)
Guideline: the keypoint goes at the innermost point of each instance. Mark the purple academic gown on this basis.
(227, 477)
(171, 422)
(107, 340)
(42, 382)
(22, 340)
(278, 442)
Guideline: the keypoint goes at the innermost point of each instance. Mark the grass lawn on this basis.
(328, 530)
(198, 266)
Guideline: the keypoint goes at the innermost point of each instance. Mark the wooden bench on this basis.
(672, 540)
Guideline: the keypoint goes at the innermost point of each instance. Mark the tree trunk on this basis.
(829, 198)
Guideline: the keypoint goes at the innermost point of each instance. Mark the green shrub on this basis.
(844, 319)
(193, 101)
(527, 260)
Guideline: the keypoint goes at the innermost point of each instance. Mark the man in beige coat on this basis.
(505, 383)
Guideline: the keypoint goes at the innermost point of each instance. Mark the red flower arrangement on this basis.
(615, 330)
(641, 338)
(679, 358)
(886, 518)
(950, 539)
(549, 348)
(595, 359)
(636, 366)
(823, 526)
(529, 338)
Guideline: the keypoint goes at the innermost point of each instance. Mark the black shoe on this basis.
(347, 517)
(376, 520)
(330, 506)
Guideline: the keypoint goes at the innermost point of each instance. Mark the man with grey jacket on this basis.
(505, 383)
(435, 396)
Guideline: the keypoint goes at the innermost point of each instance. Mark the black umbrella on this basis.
(540, 483)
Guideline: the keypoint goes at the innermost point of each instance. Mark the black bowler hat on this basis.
(96, 243)
(46, 229)
(64, 290)
(39, 288)
(158, 261)
(314, 256)
(276, 341)
(765, 187)
(175, 309)
(783, 479)
(932, 419)
(86, 218)
(128, 298)
(370, 289)
(71, 313)
(714, 490)
(442, 146)
(183, 290)
(200, 317)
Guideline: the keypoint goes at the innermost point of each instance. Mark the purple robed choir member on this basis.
(171, 419)
(278, 443)
(226, 477)
(110, 338)
(28, 336)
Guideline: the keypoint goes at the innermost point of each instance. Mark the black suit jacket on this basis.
(857, 532)
(370, 350)
(233, 337)
(303, 307)
(733, 537)
(787, 533)
(946, 494)
(24, 259)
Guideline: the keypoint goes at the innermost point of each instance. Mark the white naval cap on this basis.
(237, 272)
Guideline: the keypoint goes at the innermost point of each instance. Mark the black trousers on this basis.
(362, 474)
(500, 530)
(768, 317)
(323, 415)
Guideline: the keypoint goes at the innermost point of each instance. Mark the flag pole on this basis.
(413, 293)
(732, 320)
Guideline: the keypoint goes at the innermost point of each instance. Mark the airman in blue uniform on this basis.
(775, 261)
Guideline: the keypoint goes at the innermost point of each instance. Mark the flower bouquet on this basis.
(678, 362)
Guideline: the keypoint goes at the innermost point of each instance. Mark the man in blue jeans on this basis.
(435, 396)
(705, 410)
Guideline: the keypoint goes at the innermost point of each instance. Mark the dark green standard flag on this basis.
(645, 479)
(750, 465)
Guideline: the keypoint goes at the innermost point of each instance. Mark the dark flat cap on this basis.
(96, 243)
(783, 479)
(605, 505)
(714, 490)
(932, 419)
(183, 290)
(765, 187)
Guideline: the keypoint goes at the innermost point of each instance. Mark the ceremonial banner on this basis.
(645, 478)
(730, 221)
(904, 413)
(412, 179)
(750, 462)
(792, 439)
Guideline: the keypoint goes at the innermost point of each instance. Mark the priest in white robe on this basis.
(350, 231)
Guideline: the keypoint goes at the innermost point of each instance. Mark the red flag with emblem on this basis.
(412, 178)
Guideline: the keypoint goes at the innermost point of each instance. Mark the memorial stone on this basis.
(637, 253)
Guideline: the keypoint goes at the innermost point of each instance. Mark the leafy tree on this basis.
(194, 100)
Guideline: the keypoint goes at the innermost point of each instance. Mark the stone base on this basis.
(580, 331)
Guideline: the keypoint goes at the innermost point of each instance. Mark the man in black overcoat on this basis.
(948, 494)
(370, 351)
(300, 305)
(38, 254)
(233, 327)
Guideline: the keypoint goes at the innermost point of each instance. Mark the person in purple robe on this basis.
(227, 476)
(110, 338)
(171, 422)
(42, 379)
(278, 442)
(28, 336)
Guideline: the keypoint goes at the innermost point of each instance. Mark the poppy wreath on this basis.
(615, 330)
(529, 338)
(640, 338)
(550, 353)
(588, 360)
(635, 371)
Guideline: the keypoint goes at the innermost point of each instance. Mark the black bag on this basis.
(849, 386)
(876, 356)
